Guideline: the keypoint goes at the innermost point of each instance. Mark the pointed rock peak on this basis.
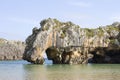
(49, 20)
(49, 23)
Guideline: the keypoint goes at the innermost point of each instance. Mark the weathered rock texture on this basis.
(106, 55)
(11, 50)
(67, 43)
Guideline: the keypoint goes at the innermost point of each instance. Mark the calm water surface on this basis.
(22, 70)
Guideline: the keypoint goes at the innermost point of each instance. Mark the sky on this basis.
(18, 17)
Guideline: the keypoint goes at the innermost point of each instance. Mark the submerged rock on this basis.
(67, 43)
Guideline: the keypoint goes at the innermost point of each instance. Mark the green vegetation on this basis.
(55, 27)
(112, 41)
(68, 23)
(89, 32)
(107, 40)
(62, 35)
(64, 29)
(111, 28)
(2, 41)
(56, 21)
(58, 24)
(100, 32)
(46, 27)
(91, 43)
(77, 26)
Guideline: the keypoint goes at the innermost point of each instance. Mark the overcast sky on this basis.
(18, 17)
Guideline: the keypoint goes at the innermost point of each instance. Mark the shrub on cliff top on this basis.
(89, 32)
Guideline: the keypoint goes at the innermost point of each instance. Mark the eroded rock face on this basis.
(73, 57)
(11, 50)
(67, 43)
(54, 54)
(106, 55)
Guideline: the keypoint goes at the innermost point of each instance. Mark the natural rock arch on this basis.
(56, 38)
(38, 42)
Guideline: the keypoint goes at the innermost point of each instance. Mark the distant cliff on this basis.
(11, 50)
(67, 43)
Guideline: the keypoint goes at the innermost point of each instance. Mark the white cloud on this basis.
(79, 4)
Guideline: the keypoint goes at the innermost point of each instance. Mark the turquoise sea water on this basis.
(22, 70)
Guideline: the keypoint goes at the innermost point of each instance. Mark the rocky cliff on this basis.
(67, 43)
(11, 50)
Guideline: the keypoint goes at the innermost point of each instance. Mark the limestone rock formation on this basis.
(106, 55)
(67, 43)
(11, 50)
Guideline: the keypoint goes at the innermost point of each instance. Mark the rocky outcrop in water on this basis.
(11, 50)
(67, 43)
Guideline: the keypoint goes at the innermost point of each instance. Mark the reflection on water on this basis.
(25, 71)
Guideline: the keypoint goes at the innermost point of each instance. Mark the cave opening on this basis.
(47, 61)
